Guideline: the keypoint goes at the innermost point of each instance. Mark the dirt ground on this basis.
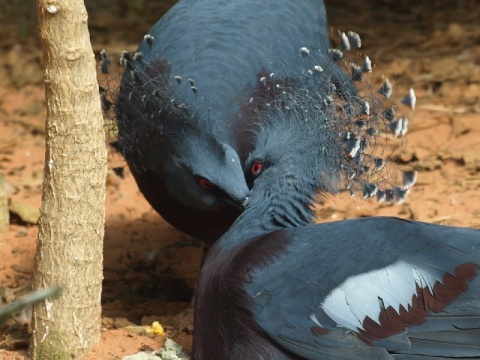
(150, 268)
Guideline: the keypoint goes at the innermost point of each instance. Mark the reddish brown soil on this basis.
(150, 268)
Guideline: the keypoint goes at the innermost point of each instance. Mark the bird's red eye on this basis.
(256, 168)
(204, 183)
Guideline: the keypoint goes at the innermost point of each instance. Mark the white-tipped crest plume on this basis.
(323, 123)
(373, 173)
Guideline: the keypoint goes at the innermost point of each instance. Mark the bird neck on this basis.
(268, 211)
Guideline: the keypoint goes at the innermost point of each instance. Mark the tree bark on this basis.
(71, 227)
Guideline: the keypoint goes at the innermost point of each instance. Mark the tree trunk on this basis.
(71, 226)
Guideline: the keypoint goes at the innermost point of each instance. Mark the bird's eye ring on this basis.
(204, 183)
(256, 168)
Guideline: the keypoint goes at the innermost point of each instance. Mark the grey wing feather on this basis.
(295, 289)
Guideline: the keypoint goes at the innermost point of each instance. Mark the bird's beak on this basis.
(244, 204)
(238, 197)
(240, 202)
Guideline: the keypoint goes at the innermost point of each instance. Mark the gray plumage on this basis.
(275, 286)
(220, 49)
(208, 74)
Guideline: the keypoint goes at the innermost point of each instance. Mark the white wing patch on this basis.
(366, 294)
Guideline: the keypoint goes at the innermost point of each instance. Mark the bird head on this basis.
(205, 173)
(296, 148)
(322, 136)
(163, 139)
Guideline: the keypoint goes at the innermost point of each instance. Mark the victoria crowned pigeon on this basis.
(276, 286)
(199, 81)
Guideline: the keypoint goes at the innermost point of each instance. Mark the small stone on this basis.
(455, 33)
(471, 95)
(172, 351)
(142, 356)
(119, 323)
(25, 212)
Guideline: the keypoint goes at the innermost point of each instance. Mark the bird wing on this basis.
(360, 288)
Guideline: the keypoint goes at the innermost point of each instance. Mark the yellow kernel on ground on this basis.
(156, 329)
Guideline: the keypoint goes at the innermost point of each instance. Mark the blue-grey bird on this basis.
(276, 286)
(192, 93)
